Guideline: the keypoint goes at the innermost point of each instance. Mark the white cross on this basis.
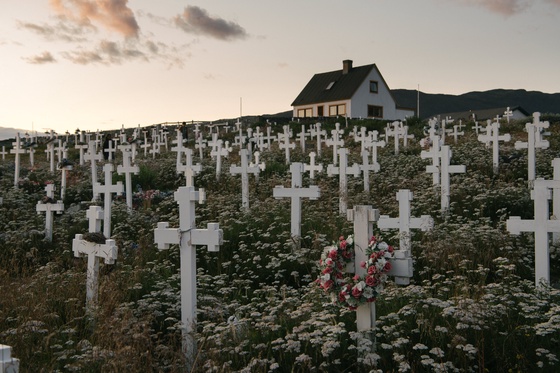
(127, 169)
(219, 152)
(312, 167)
(3, 152)
(240, 139)
(342, 171)
(8, 364)
(245, 170)
(257, 163)
(284, 140)
(64, 168)
(534, 141)
(541, 225)
(188, 168)
(213, 144)
(107, 190)
(508, 114)
(366, 167)
(179, 148)
(362, 138)
(362, 217)
(444, 122)
(93, 156)
(146, 144)
(200, 145)
(457, 131)
(404, 223)
(268, 138)
(477, 127)
(49, 208)
(50, 154)
(301, 136)
(94, 251)
(187, 236)
(80, 145)
(17, 150)
(320, 134)
(110, 150)
(493, 136)
(335, 141)
(372, 143)
(434, 153)
(296, 193)
(446, 171)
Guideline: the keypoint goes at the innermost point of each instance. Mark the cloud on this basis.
(554, 2)
(107, 53)
(115, 15)
(197, 21)
(60, 31)
(505, 7)
(40, 59)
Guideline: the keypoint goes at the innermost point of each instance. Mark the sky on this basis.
(104, 64)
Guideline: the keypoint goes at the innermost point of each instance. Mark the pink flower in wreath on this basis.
(363, 264)
(390, 249)
(356, 277)
(356, 293)
(327, 270)
(327, 284)
(371, 281)
(332, 254)
(371, 270)
(388, 266)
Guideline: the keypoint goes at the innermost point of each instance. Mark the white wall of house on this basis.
(402, 114)
(363, 97)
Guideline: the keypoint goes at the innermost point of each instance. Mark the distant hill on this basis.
(11, 133)
(433, 104)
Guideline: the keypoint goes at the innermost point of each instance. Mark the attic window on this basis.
(329, 86)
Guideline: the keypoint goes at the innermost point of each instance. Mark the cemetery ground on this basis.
(472, 305)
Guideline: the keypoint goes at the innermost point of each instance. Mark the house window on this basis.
(374, 111)
(320, 111)
(329, 86)
(335, 110)
(373, 86)
(305, 113)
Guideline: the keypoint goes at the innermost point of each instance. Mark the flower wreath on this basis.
(352, 291)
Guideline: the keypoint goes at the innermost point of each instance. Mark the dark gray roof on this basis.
(344, 87)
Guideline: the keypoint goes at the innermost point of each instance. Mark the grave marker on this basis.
(404, 223)
(296, 193)
(534, 141)
(446, 171)
(335, 141)
(17, 150)
(245, 170)
(127, 168)
(343, 170)
(312, 167)
(284, 140)
(541, 225)
(8, 364)
(93, 156)
(493, 136)
(107, 190)
(49, 207)
(188, 169)
(106, 249)
(187, 236)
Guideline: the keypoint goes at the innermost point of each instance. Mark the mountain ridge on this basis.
(432, 104)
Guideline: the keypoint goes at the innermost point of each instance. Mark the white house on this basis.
(355, 92)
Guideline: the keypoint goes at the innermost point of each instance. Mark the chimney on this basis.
(346, 66)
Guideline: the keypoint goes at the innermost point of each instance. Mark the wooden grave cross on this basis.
(372, 143)
(493, 136)
(534, 141)
(457, 131)
(268, 138)
(17, 150)
(312, 167)
(342, 171)
(541, 225)
(404, 223)
(446, 170)
(127, 168)
(8, 364)
(444, 131)
(107, 189)
(320, 134)
(508, 114)
(188, 169)
(363, 217)
(145, 145)
(179, 148)
(81, 146)
(362, 138)
(366, 167)
(49, 208)
(218, 153)
(111, 150)
(296, 193)
(93, 156)
(284, 143)
(200, 145)
(64, 166)
(336, 141)
(257, 163)
(477, 127)
(301, 136)
(434, 153)
(3, 152)
(94, 251)
(244, 169)
(187, 236)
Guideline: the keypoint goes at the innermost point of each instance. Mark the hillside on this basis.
(433, 104)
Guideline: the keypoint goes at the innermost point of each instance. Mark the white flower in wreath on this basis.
(383, 245)
(350, 240)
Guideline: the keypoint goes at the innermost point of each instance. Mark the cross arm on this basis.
(212, 237)
(165, 236)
